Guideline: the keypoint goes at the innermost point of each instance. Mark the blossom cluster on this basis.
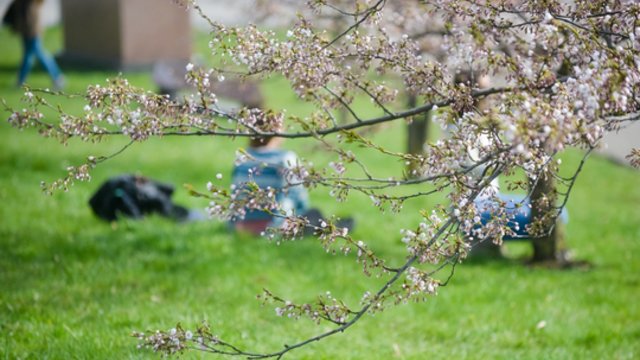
(233, 204)
(419, 283)
(170, 342)
(326, 308)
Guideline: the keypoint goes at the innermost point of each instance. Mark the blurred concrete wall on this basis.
(232, 12)
(619, 144)
(124, 34)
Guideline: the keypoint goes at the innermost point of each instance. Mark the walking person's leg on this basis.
(48, 63)
(28, 56)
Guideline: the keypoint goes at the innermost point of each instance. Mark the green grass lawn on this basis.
(72, 286)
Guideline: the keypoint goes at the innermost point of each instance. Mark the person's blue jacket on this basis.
(268, 168)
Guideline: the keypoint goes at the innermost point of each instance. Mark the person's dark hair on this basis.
(23, 17)
(470, 80)
(259, 141)
(464, 77)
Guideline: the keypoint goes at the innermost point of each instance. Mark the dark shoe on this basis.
(59, 83)
(485, 249)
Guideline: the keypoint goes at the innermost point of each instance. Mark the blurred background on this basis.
(72, 286)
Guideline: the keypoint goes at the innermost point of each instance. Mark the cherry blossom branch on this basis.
(367, 13)
(180, 340)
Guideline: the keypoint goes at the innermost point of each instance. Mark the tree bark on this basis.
(547, 238)
(417, 133)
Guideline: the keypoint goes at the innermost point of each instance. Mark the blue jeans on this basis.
(518, 210)
(33, 48)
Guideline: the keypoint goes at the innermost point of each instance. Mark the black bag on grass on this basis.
(135, 196)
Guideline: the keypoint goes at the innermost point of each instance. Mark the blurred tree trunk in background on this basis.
(548, 247)
(417, 133)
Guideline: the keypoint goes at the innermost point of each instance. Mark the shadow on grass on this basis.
(524, 260)
(11, 69)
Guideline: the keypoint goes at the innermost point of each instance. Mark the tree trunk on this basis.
(550, 246)
(417, 133)
(546, 244)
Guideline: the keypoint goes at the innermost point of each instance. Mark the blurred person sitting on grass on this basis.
(491, 201)
(268, 166)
